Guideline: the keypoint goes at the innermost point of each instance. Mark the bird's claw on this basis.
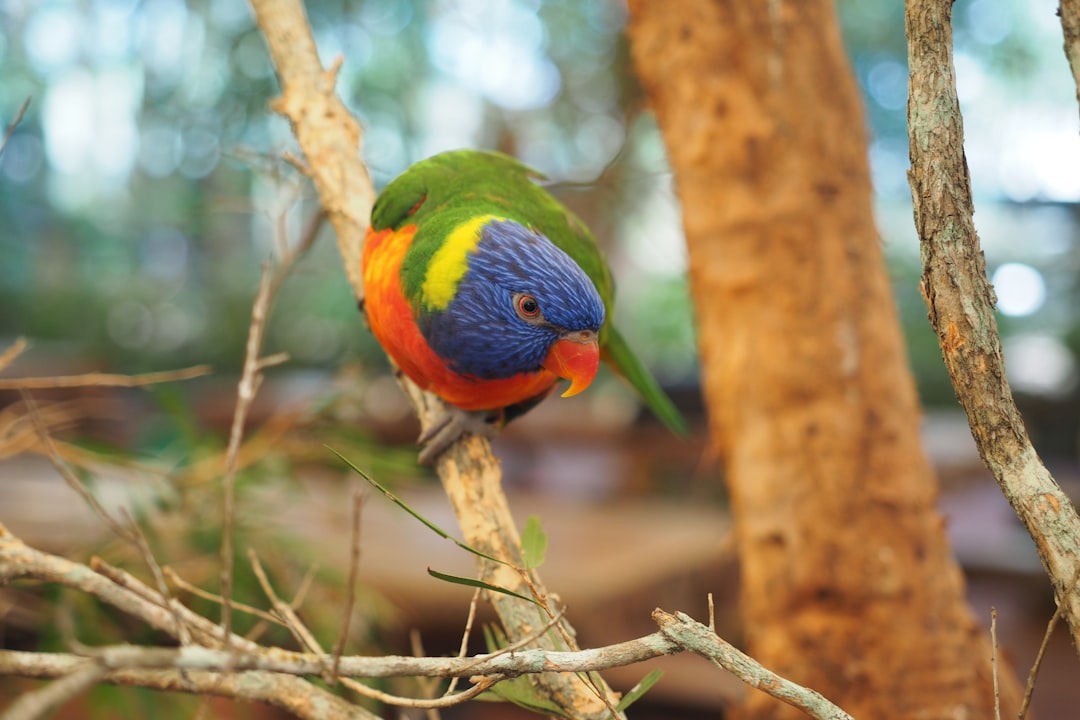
(451, 425)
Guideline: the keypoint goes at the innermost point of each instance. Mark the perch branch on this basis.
(961, 302)
(330, 139)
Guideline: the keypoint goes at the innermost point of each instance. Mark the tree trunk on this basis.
(849, 586)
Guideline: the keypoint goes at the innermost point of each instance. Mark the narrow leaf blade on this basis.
(473, 582)
(640, 689)
(405, 506)
(533, 543)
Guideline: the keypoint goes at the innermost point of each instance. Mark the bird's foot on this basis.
(451, 425)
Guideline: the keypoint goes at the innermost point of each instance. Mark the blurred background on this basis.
(145, 185)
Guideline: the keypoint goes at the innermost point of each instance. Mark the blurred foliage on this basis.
(144, 186)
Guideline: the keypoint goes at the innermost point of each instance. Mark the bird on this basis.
(486, 291)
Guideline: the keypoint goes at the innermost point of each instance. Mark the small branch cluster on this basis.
(211, 662)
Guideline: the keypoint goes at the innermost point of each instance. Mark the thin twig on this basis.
(994, 662)
(298, 600)
(16, 349)
(463, 649)
(175, 579)
(250, 379)
(1033, 674)
(159, 578)
(350, 590)
(428, 686)
(42, 702)
(103, 379)
(444, 701)
(283, 609)
(19, 114)
(69, 475)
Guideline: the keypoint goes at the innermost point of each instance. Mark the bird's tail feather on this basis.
(622, 359)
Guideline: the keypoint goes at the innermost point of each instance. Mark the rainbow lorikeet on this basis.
(486, 291)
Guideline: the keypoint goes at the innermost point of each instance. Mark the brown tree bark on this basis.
(849, 586)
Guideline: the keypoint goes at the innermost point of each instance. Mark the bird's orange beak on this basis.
(576, 358)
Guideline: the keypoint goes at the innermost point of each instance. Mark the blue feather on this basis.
(480, 333)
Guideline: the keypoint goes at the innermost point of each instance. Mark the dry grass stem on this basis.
(44, 701)
(250, 379)
(182, 584)
(70, 477)
(1033, 674)
(994, 662)
(19, 114)
(103, 379)
(285, 611)
(350, 590)
(16, 349)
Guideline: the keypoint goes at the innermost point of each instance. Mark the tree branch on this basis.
(244, 669)
(292, 694)
(961, 302)
(330, 139)
(128, 594)
(692, 635)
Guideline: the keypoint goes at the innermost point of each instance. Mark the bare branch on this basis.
(128, 594)
(250, 379)
(961, 302)
(101, 379)
(677, 632)
(41, 703)
(159, 577)
(350, 590)
(292, 694)
(1033, 674)
(994, 662)
(69, 475)
(175, 579)
(285, 611)
(692, 635)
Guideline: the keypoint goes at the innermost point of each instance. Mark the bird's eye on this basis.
(527, 306)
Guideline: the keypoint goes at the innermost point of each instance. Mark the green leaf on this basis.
(472, 582)
(404, 506)
(521, 692)
(640, 689)
(533, 543)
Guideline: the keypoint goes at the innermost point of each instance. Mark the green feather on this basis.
(442, 192)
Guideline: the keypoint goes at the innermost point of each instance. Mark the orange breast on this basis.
(394, 326)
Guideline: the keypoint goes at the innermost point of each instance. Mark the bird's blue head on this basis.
(519, 298)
